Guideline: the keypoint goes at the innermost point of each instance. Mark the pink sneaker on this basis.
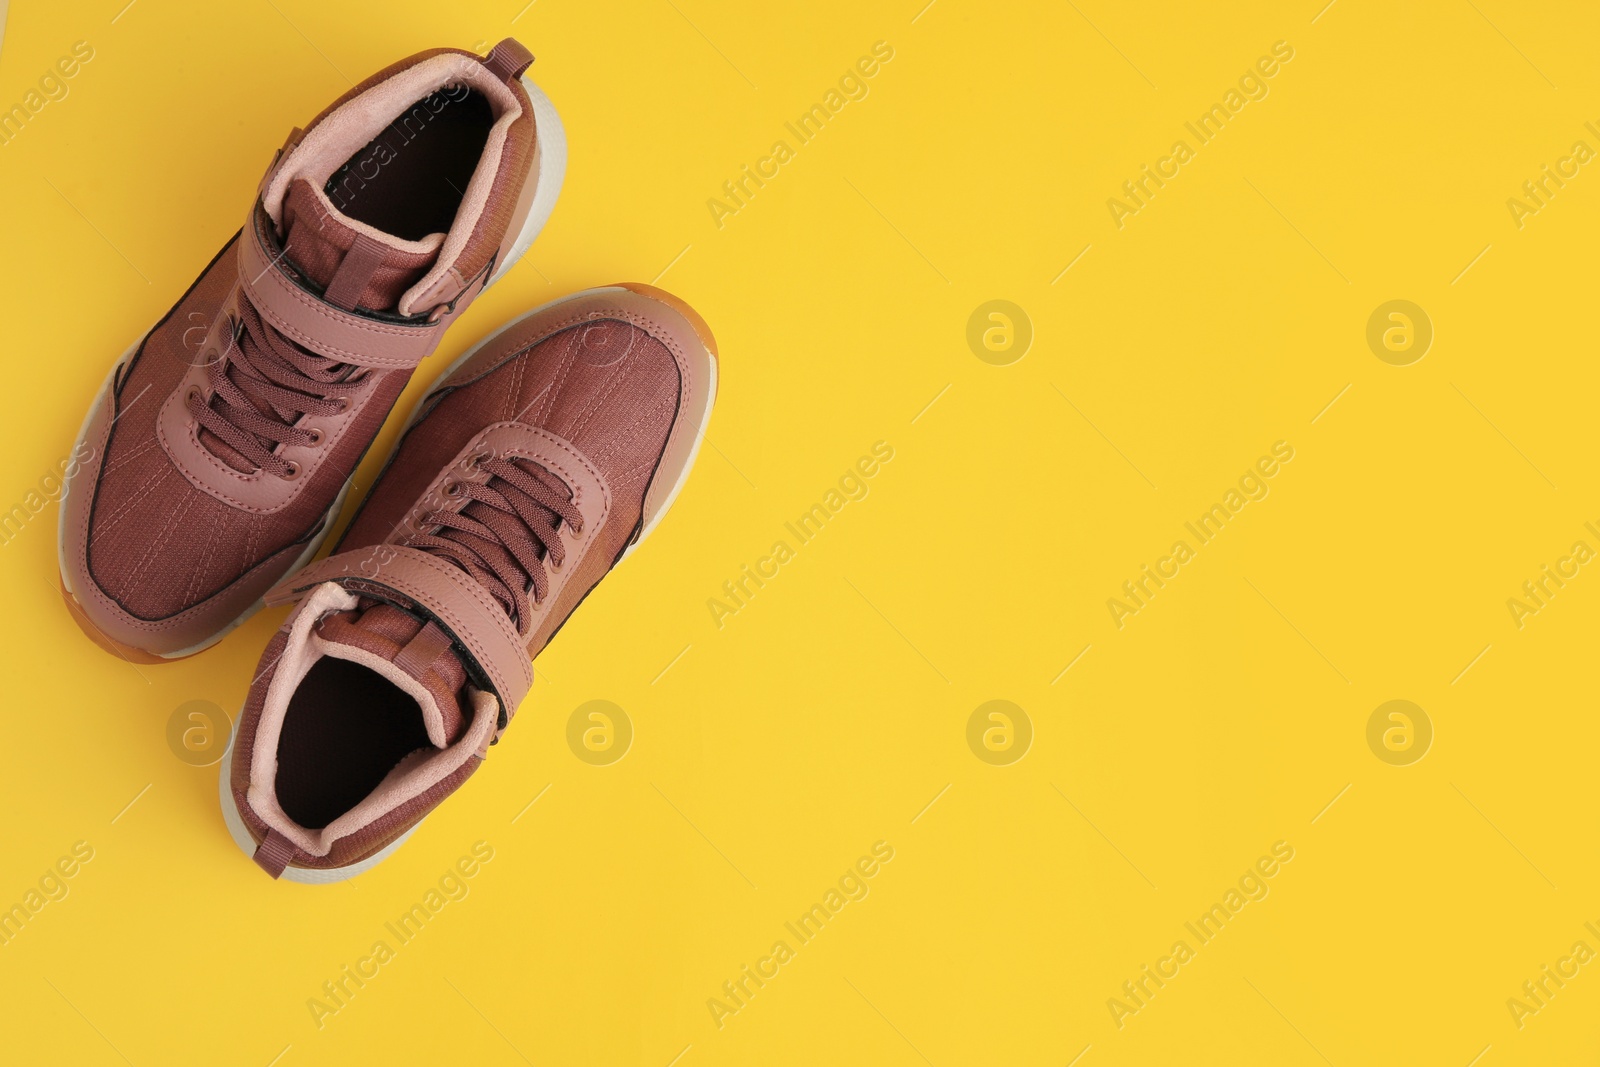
(538, 461)
(222, 443)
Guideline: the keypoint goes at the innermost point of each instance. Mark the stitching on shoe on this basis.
(607, 390)
(515, 391)
(564, 372)
(219, 467)
(484, 600)
(143, 491)
(361, 358)
(250, 546)
(205, 561)
(611, 311)
(132, 454)
(160, 540)
(629, 476)
(609, 450)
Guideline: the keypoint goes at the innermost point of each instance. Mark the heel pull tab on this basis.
(508, 59)
(272, 855)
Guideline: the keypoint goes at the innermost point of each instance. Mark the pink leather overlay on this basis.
(259, 492)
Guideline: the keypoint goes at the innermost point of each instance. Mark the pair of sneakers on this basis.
(216, 457)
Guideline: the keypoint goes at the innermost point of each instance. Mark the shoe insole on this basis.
(345, 729)
(410, 180)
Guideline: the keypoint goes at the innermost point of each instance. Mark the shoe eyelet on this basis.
(344, 404)
(192, 394)
(477, 461)
(292, 473)
(453, 490)
(316, 436)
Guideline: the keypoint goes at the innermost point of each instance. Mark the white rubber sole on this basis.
(303, 875)
(549, 169)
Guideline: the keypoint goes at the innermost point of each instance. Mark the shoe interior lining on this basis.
(345, 729)
(409, 180)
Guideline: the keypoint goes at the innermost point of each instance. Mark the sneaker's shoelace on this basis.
(264, 370)
(505, 537)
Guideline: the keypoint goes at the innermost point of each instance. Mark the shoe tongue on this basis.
(317, 238)
(416, 656)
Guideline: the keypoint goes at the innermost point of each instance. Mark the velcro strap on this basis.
(497, 657)
(316, 324)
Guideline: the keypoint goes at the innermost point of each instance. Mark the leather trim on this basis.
(260, 493)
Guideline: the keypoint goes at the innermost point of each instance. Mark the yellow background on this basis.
(826, 715)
